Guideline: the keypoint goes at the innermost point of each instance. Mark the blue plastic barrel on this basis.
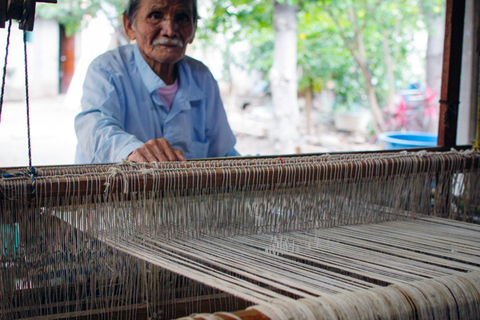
(404, 140)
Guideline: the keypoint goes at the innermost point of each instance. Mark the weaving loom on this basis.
(375, 235)
(354, 236)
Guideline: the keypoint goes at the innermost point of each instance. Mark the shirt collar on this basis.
(188, 87)
(150, 79)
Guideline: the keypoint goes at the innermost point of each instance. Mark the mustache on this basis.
(168, 42)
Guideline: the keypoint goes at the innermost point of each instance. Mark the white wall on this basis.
(42, 54)
(91, 42)
(43, 59)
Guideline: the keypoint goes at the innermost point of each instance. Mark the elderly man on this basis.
(147, 101)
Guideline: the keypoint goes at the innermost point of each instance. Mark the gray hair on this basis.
(132, 8)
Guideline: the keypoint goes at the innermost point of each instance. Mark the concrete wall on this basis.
(43, 61)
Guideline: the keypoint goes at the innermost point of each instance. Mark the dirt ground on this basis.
(53, 139)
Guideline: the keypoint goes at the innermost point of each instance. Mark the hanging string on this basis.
(5, 68)
(24, 21)
(31, 171)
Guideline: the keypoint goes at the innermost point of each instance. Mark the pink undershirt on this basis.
(167, 94)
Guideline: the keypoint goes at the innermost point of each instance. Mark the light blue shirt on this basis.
(121, 110)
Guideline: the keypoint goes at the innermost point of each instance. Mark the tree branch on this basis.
(350, 46)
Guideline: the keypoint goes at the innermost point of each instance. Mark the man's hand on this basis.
(156, 150)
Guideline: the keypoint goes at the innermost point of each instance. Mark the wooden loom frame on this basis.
(63, 185)
(450, 89)
(449, 105)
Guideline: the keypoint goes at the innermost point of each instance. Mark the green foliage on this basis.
(241, 22)
(239, 19)
(327, 39)
(73, 14)
(344, 23)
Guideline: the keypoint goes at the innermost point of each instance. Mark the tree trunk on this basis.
(360, 57)
(389, 65)
(309, 106)
(378, 121)
(283, 79)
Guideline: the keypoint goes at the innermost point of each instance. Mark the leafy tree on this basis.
(359, 45)
(253, 20)
(366, 29)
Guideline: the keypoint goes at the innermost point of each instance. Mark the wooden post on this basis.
(452, 65)
(67, 60)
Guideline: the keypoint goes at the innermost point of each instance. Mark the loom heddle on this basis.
(336, 236)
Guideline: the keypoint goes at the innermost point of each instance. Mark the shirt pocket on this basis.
(199, 122)
(197, 149)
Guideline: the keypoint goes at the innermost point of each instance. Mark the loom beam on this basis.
(250, 314)
(86, 183)
(441, 304)
(289, 189)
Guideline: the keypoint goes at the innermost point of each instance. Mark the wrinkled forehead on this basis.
(174, 4)
(132, 6)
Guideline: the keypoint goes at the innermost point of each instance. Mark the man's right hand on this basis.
(156, 150)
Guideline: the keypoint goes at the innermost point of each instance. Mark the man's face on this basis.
(163, 29)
